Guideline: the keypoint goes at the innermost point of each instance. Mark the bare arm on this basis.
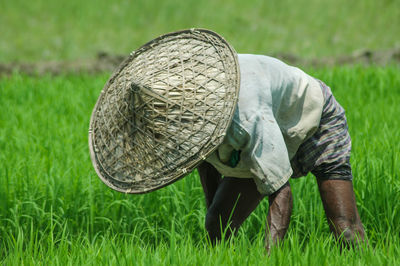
(280, 210)
(341, 210)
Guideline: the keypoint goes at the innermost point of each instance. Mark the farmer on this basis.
(287, 124)
(249, 123)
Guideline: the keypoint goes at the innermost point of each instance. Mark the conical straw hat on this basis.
(164, 110)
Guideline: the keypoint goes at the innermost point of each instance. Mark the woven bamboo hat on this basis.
(164, 110)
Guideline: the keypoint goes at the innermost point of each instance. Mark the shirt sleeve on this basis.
(267, 154)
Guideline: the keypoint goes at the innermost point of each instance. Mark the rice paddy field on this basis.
(54, 210)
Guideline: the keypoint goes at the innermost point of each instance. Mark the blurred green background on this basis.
(68, 30)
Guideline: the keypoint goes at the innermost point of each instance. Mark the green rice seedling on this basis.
(55, 211)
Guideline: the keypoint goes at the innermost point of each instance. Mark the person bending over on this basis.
(286, 125)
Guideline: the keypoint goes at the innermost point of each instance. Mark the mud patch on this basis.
(102, 63)
(105, 62)
(361, 57)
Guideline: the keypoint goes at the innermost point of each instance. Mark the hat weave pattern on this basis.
(164, 110)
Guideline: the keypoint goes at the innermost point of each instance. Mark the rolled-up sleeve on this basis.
(266, 154)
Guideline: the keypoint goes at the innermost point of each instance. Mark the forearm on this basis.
(280, 210)
(341, 210)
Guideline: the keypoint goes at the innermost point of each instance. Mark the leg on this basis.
(341, 210)
(233, 202)
(210, 179)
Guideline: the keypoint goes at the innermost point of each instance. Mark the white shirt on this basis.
(279, 107)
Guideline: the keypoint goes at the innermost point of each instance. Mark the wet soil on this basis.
(105, 62)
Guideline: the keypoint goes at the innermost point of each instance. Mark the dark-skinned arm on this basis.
(280, 210)
(341, 211)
